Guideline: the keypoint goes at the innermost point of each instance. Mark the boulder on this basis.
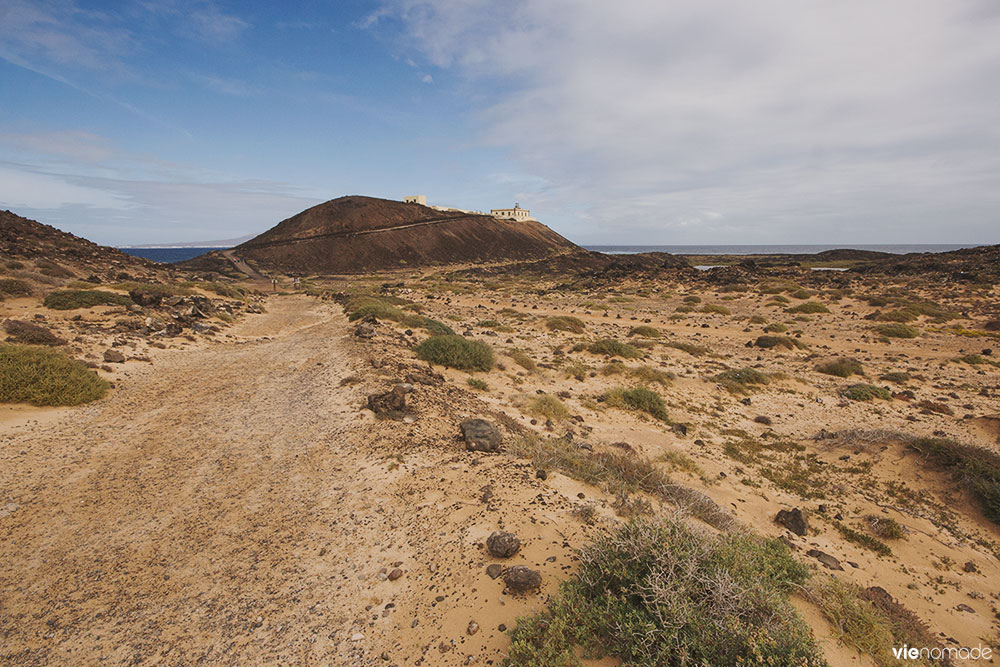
(392, 403)
(794, 520)
(365, 331)
(114, 357)
(503, 545)
(480, 435)
(521, 579)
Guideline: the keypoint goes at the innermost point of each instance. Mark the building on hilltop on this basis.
(416, 199)
(517, 213)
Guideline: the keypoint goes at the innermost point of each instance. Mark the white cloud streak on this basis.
(711, 121)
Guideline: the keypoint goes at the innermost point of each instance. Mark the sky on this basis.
(627, 122)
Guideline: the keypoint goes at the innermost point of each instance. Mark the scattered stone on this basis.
(494, 570)
(826, 559)
(541, 474)
(794, 520)
(480, 435)
(365, 331)
(503, 545)
(761, 419)
(679, 429)
(521, 579)
(970, 567)
(357, 636)
(430, 379)
(390, 404)
(472, 629)
(395, 574)
(964, 607)
(114, 357)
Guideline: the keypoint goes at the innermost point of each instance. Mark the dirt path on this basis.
(243, 266)
(232, 506)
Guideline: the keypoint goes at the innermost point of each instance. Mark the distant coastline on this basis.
(181, 253)
(898, 249)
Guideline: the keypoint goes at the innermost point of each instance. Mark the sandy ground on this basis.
(233, 503)
(234, 507)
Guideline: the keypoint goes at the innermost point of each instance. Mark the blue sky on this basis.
(690, 121)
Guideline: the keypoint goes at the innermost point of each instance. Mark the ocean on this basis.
(899, 249)
(168, 255)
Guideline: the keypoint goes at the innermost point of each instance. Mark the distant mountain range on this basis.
(223, 243)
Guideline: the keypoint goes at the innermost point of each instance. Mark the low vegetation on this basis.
(614, 348)
(897, 330)
(843, 367)
(865, 392)
(768, 342)
(717, 309)
(885, 527)
(44, 377)
(640, 399)
(456, 352)
(656, 592)
(977, 468)
(741, 380)
(522, 359)
(861, 539)
(30, 334)
(13, 287)
(693, 349)
(644, 331)
(70, 299)
(808, 308)
(547, 406)
(565, 323)
(868, 620)
(383, 308)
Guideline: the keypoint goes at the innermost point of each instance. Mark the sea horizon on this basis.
(183, 253)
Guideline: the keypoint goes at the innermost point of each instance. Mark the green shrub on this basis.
(758, 319)
(155, 288)
(714, 308)
(456, 352)
(476, 383)
(645, 332)
(768, 342)
(808, 308)
(780, 299)
(691, 299)
(896, 377)
(44, 377)
(865, 392)
(684, 309)
(378, 308)
(565, 323)
(70, 299)
(649, 375)
(857, 622)
(658, 593)
(31, 334)
(548, 406)
(897, 330)
(640, 399)
(739, 380)
(801, 294)
(776, 327)
(614, 348)
(844, 367)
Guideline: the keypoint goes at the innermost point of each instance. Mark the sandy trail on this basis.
(232, 505)
(177, 517)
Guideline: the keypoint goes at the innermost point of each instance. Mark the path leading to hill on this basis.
(242, 265)
(233, 505)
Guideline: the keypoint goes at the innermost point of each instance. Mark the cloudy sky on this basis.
(628, 122)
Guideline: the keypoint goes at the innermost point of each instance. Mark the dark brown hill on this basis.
(21, 238)
(359, 234)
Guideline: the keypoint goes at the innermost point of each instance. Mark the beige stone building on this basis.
(517, 213)
(416, 199)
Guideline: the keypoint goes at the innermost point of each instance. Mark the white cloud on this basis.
(792, 121)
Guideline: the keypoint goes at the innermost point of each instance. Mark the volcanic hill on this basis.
(358, 234)
(55, 250)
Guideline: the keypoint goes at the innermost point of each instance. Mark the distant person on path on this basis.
(295, 282)
(274, 284)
